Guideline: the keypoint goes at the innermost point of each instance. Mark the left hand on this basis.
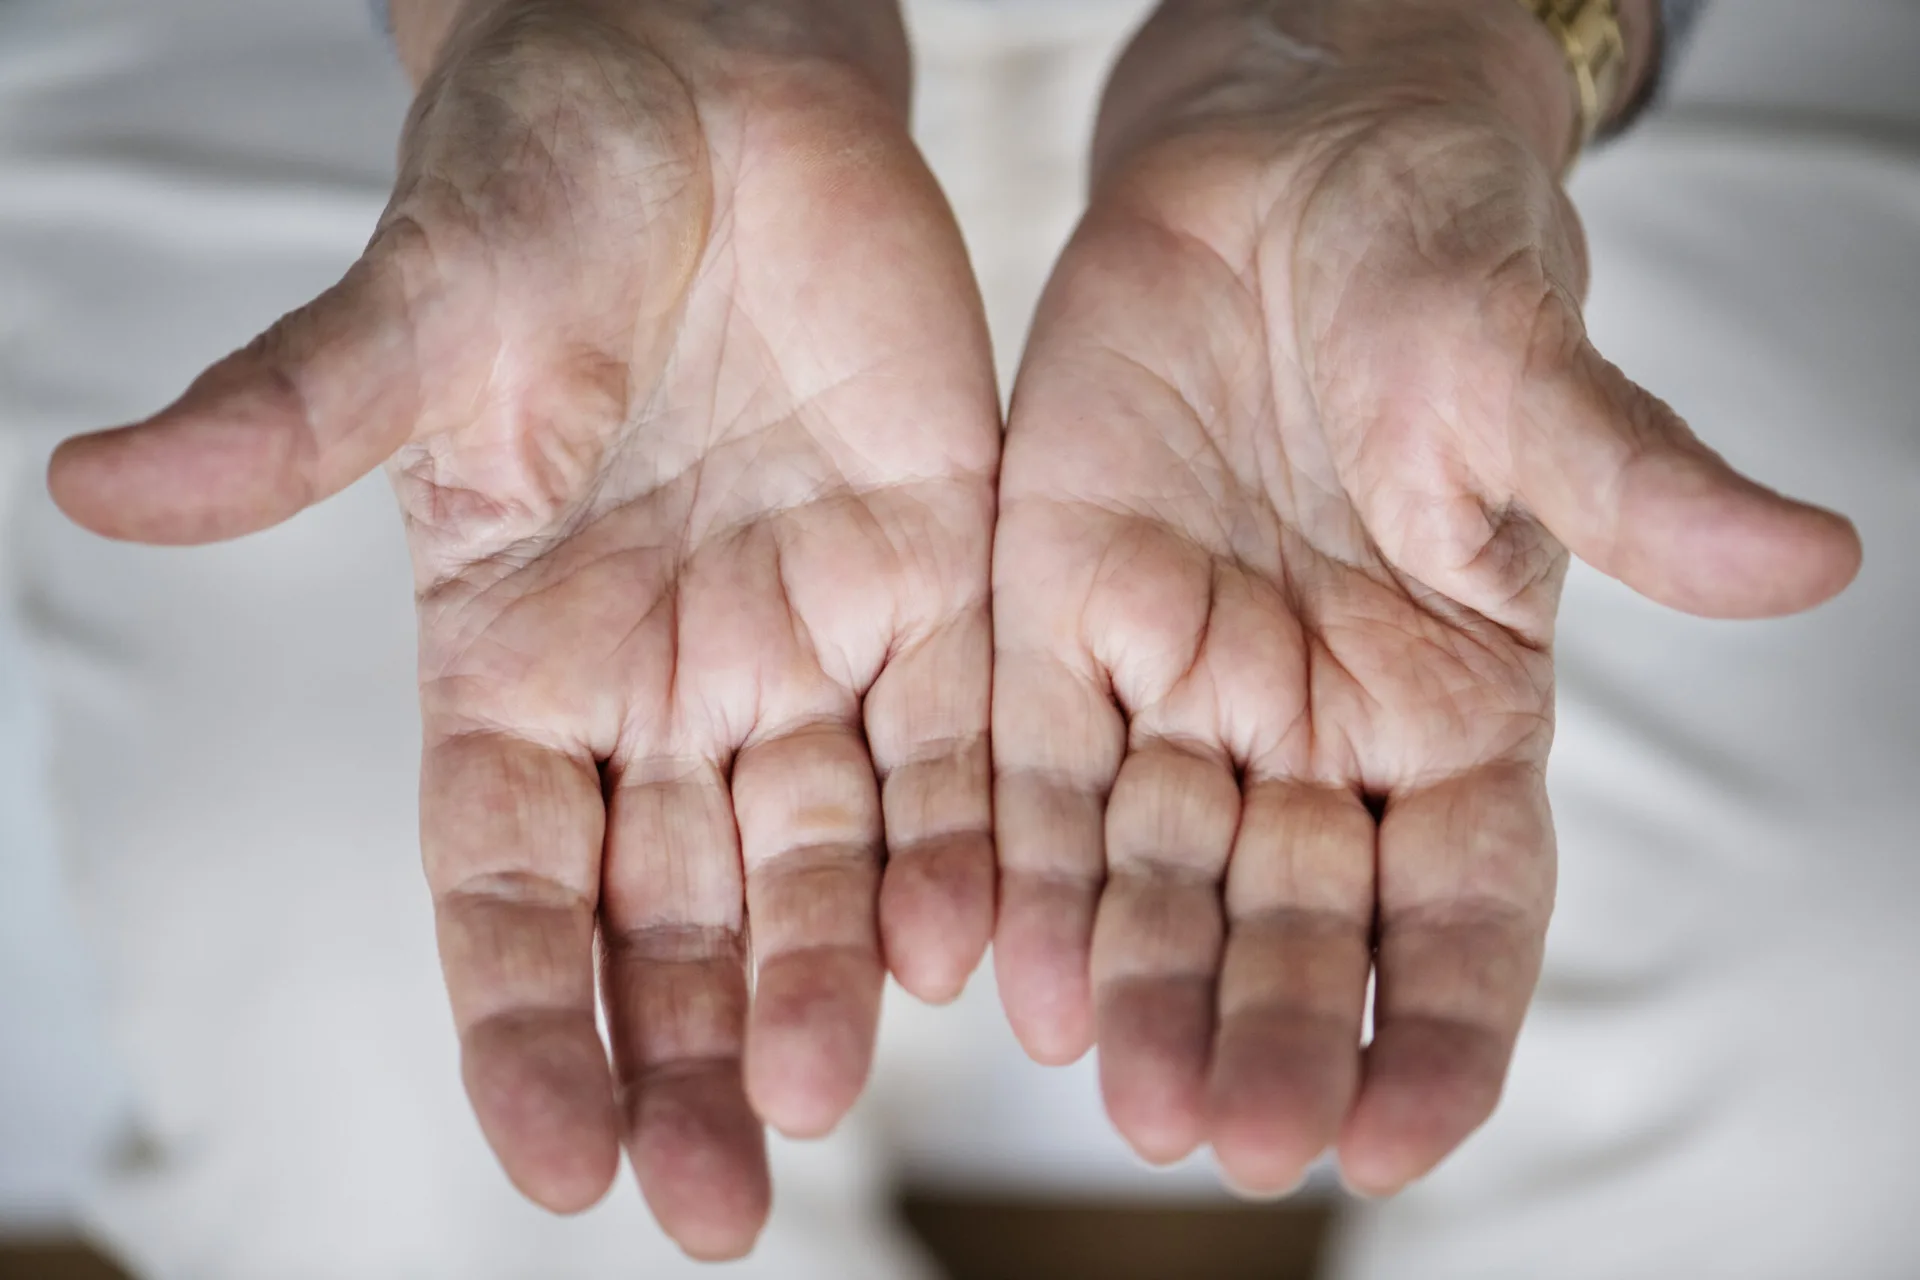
(1307, 426)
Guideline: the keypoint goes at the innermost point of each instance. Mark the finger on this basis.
(511, 834)
(1618, 478)
(310, 406)
(1293, 982)
(676, 980)
(809, 815)
(1057, 741)
(926, 720)
(1156, 942)
(1465, 890)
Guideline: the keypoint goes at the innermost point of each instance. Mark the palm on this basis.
(1274, 602)
(698, 487)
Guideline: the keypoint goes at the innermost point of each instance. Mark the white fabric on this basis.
(57, 1085)
(1716, 1081)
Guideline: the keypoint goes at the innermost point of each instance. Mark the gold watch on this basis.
(1589, 31)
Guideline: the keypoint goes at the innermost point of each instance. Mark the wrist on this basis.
(1294, 61)
(865, 37)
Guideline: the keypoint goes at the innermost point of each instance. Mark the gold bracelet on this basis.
(1589, 32)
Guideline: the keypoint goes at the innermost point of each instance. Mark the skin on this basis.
(699, 492)
(1305, 431)
(670, 348)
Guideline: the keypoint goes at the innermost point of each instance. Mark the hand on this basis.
(672, 350)
(1306, 427)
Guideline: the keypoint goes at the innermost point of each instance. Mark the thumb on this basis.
(310, 406)
(1617, 476)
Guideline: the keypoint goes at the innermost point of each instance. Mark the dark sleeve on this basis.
(1677, 19)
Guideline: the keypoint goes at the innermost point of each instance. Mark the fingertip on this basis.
(700, 1156)
(936, 915)
(804, 1105)
(1710, 542)
(810, 1038)
(101, 482)
(1049, 1006)
(1258, 1187)
(1275, 1102)
(1053, 1032)
(728, 1244)
(1160, 1138)
(803, 1110)
(932, 982)
(1154, 1036)
(1054, 1044)
(542, 1091)
(1059, 1048)
(1369, 1172)
(70, 481)
(1041, 953)
(1263, 1166)
(1352, 1181)
(1161, 1125)
(1427, 1086)
(1829, 557)
(576, 1191)
(720, 1232)
(219, 463)
(1051, 1015)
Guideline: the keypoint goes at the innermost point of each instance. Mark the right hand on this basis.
(672, 349)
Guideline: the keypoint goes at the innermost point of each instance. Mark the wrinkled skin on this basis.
(1306, 427)
(672, 351)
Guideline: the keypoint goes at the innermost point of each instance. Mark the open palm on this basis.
(672, 350)
(1305, 428)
